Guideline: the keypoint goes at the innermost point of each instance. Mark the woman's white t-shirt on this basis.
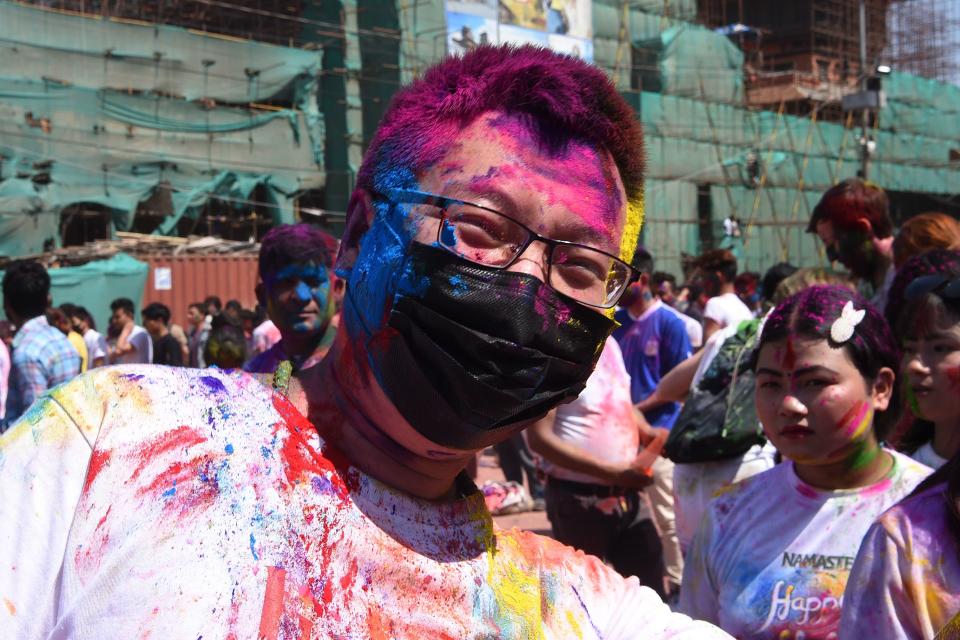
(772, 555)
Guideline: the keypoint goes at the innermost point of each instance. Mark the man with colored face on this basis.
(853, 221)
(490, 234)
(300, 291)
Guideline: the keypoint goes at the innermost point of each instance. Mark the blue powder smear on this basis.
(228, 448)
(253, 541)
(213, 384)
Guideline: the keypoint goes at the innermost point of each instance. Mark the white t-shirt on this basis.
(694, 328)
(600, 421)
(905, 583)
(96, 345)
(143, 348)
(772, 554)
(727, 310)
(160, 502)
(925, 455)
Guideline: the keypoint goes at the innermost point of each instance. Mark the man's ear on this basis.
(359, 218)
(864, 225)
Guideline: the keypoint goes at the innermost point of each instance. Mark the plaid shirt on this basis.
(42, 358)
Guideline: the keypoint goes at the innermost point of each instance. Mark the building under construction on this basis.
(227, 116)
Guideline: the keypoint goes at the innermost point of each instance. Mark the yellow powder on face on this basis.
(631, 228)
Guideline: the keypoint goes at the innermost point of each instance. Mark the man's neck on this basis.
(352, 413)
(161, 332)
(643, 304)
(302, 346)
(725, 288)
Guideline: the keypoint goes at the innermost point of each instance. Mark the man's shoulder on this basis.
(41, 342)
(149, 398)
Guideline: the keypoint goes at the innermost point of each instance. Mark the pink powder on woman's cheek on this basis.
(856, 421)
(953, 375)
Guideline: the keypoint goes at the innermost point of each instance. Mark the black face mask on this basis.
(471, 350)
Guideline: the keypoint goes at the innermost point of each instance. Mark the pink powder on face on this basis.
(856, 421)
(953, 375)
(594, 195)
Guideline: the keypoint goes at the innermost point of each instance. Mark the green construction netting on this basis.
(691, 61)
(671, 228)
(91, 51)
(63, 145)
(95, 284)
(773, 221)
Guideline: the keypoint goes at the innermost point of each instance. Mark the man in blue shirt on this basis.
(42, 356)
(653, 341)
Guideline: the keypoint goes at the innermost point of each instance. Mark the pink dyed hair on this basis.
(562, 99)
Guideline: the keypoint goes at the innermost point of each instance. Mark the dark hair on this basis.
(26, 288)
(83, 314)
(643, 261)
(746, 283)
(659, 277)
(718, 260)
(68, 309)
(199, 306)
(227, 345)
(156, 311)
(560, 98)
(212, 300)
(295, 244)
(850, 200)
(811, 314)
(56, 317)
(936, 262)
(234, 305)
(773, 277)
(122, 303)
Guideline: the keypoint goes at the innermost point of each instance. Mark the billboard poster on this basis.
(565, 26)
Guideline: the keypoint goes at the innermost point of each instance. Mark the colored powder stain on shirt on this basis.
(253, 548)
(517, 593)
(172, 491)
(213, 383)
(11, 608)
(228, 449)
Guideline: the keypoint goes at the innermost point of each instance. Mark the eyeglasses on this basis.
(485, 236)
(946, 287)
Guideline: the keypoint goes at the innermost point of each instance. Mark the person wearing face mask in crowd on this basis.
(490, 234)
(773, 553)
(664, 286)
(716, 271)
(301, 295)
(853, 221)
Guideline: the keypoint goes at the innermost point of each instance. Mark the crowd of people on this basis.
(719, 453)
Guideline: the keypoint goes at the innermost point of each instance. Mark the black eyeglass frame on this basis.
(409, 196)
(945, 287)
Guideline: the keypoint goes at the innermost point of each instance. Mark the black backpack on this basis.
(718, 421)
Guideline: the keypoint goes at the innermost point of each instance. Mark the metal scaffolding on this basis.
(924, 39)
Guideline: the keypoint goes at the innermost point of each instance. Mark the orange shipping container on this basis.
(177, 281)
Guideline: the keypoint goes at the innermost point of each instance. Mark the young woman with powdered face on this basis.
(772, 555)
(906, 581)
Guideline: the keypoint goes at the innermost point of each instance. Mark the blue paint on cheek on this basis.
(304, 292)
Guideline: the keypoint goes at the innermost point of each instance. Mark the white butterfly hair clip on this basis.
(842, 328)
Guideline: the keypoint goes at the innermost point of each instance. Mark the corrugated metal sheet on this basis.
(193, 278)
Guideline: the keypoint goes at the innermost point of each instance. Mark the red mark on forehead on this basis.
(789, 361)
